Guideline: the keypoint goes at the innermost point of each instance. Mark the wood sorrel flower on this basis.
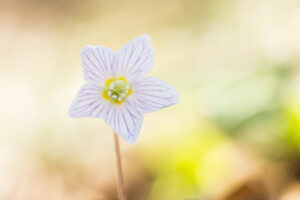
(116, 88)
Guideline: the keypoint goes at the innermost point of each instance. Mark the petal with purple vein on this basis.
(151, 94)
(135, 59)
(97, 63)
(125, 120)
(88, 102)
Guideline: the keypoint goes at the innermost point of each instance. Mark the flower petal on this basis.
(88, 102)
(97, 62)
(151, 94)
(124, 120)
(135, 59)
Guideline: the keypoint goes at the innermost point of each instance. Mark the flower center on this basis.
(116, 90)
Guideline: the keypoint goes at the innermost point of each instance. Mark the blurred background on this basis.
(235, 134)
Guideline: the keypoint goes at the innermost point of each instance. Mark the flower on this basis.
(117, 90)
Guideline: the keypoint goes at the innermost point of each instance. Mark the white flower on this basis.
(117, 90)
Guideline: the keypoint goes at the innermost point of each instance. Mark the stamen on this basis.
(116, 90)
(112, 85)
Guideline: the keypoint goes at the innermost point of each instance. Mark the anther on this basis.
(112, 85)
(114, 96)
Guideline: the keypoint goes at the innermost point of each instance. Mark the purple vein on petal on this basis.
(87, 69)
(100, 56)
(89, 59)
(96, 57)
(100, 110)
(138, 58)
(125, 123)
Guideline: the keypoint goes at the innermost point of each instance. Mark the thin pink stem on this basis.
(120, 183)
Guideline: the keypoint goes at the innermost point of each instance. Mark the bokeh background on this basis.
(235, 134)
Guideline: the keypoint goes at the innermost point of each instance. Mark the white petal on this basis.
(88, 102)
(124, 120)
(97, 63)
(135, 59)
(151, 94)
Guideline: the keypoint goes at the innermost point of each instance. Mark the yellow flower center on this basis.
(116, 90)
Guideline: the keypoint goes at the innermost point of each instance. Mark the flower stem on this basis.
(120, 184)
